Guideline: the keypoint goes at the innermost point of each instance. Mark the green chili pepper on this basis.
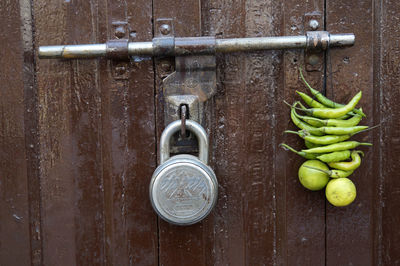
(335, 112)
(342, 130)
(346, 116)
(342, 117)
(310, 145)
(333, 173)
(349, 166)
(316, 122)
(310, 101)
(323, 130)
(335, 156)
(321, 140)
(345, 145)
(325, 101)
(303, 125)
(305, 155)
(354, 121)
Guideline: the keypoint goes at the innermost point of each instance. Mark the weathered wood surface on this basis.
(386, 181)
(17, 145)
(78, 146)
(350, 230)
(95, 151)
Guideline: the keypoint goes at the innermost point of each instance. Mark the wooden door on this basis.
(79, 138)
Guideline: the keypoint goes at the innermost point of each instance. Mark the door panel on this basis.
(79, 138)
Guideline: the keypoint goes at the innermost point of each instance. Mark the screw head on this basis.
(165, 29)
(119, 32)
(166, 66)
(120, 70)
(314, 24)
(313, 60)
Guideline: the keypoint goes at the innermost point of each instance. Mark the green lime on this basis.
(313, 179)
(340, 192)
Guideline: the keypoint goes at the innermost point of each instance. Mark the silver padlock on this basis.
(183, 189)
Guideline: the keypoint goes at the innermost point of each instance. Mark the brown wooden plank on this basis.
(98, 140)
(177, 245)
(301, 210)
(226, 235)
(129, 143)
(141, 219)
(71, 177)
(350, 230)
(116, 153)
(386, 180)
(15, 248)
(248, 119)
(86, 162)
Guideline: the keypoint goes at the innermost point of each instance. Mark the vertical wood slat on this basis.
(55, 179)
(116, 152)
(387, 112)
(177, 245)
(350, 230)
(69, 99)
(301, 210)
(16, 139)
(86, 161)
(92, 140)
(226, 235)
(141, 219)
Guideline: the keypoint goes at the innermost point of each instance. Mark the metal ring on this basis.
(174, 127)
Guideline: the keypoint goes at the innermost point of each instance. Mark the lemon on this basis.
(340, 192)
(313, 179)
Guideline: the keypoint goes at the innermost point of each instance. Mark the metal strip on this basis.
(170, 46)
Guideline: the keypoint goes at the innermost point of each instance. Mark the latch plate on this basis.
(314, 58)
(192, 83)
(120, 68)
(194, 80)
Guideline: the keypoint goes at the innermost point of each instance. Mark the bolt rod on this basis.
(221, 46)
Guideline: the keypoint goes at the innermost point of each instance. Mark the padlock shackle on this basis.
(192, 126)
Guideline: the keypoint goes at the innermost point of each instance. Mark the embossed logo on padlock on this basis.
(183, 189)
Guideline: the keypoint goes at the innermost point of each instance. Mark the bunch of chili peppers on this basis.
(326, 128)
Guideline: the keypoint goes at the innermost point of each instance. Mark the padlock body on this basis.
(183, 190)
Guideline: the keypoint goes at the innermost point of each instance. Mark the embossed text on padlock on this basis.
(183, 189)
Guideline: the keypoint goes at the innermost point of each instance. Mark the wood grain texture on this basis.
(69, 138)
(387, 95)
(95, 151)
(15, 246)
(250, 217)
(241, 130)
(227, 240)
(350, 230)
(142, 229)
(301, 210)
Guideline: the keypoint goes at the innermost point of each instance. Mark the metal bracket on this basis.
(192, 83)
(118, 49)
(314, 58)
(194, 80)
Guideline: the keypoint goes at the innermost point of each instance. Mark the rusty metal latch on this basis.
(194, 79)
(173, 46)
